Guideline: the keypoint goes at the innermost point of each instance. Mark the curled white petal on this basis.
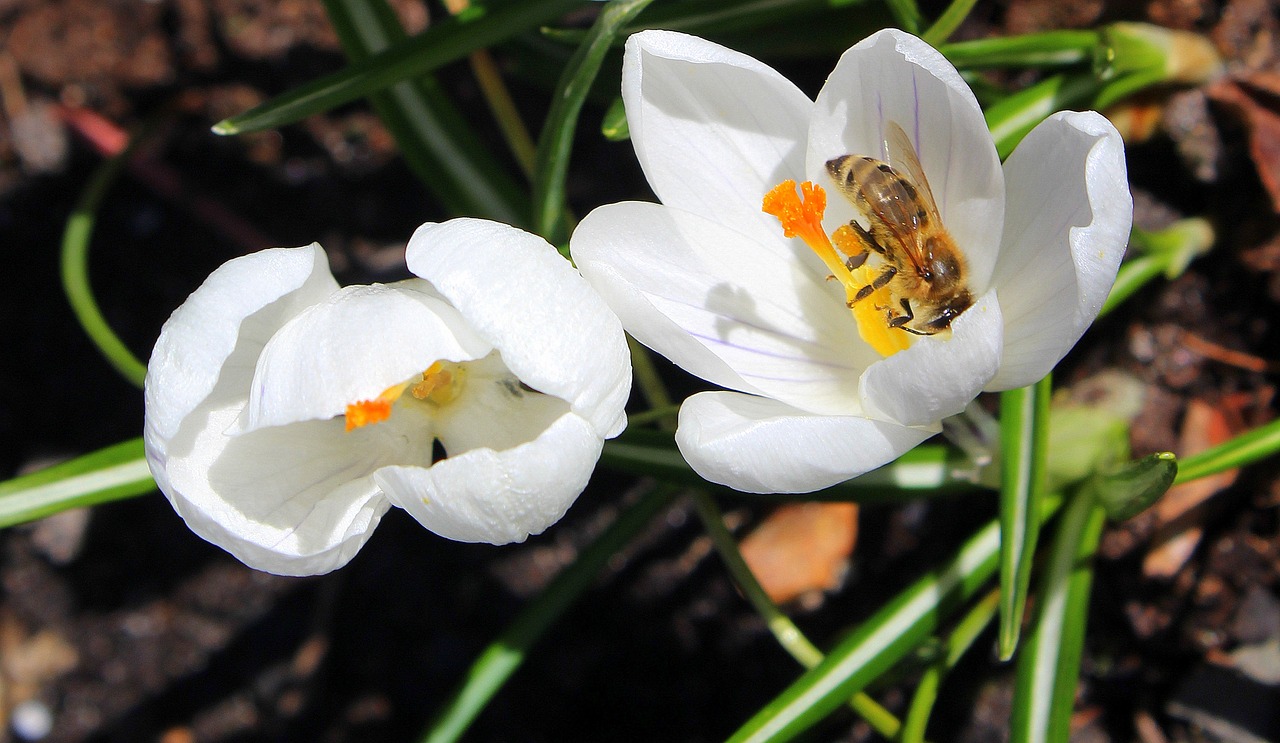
(713, 129)
(893, 76)
(225, 323)
(937, 377)
(758, 445)
(1069, 215)
(293, 500)
(352, 346)
(737, 311)
(484, 495)
(524, 299)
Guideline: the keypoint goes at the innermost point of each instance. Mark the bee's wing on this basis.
(903, 158)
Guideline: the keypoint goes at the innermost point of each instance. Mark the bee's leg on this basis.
(866, 239)
(899, 321)
(871, 288)
(854, 242)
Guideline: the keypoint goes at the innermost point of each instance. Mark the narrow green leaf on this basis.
(1247, 448)
(1024, 427)
(614, 127)
(927, 470)
(501, 659)
(1011, 118)
(444, 42)
(723, 17)
(1049, 666)
(1128, 491)
(555, 144)
(109, 474)
(966, 632)
(434, 137)
(75, 269)
(880, 642)
(948, 22)
(1047, 49)
(906, 13)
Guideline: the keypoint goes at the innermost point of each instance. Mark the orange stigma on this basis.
(367, 412)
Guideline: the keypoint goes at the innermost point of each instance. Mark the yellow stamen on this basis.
(801, 216)
(441, 383)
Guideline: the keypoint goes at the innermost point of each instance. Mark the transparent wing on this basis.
(903, 158)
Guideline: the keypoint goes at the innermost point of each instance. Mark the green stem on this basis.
(555, 144)
(75, 269)
(647, 377)
(501, 659)
(662, 414)
(784, 630)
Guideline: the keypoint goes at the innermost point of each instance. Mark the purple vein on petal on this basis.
(768, 354)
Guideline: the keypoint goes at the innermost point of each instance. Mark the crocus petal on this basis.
(293, 500)
(499, 497)
(758, 445)
(713, 129)
(937, 377)
(521, 296)
(351, 347)
(1068, 220)
(723, 306)
(893, 76)
(225, 323)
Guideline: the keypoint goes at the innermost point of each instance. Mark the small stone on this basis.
(31, 720)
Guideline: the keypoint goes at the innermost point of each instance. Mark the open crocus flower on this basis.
(284, 414)
(817, 313)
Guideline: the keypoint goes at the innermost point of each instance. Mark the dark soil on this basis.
(126, 627)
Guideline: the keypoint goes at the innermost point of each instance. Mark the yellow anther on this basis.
(441, 383)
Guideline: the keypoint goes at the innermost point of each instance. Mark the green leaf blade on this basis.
(109, 474)
(442, 43)
(1024, 426)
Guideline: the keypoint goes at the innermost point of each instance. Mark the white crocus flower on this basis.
(819, 393)
(284, 414)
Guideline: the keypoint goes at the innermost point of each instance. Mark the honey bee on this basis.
(923, 269)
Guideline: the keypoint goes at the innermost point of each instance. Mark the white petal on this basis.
(723, 306)
(937, 377)
(893, 76)
(713, 129)
(1068, 221)
(499, 496)
(553, 331)
(293, 500)
(351, 347)
(758, 445)
(225, 323)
